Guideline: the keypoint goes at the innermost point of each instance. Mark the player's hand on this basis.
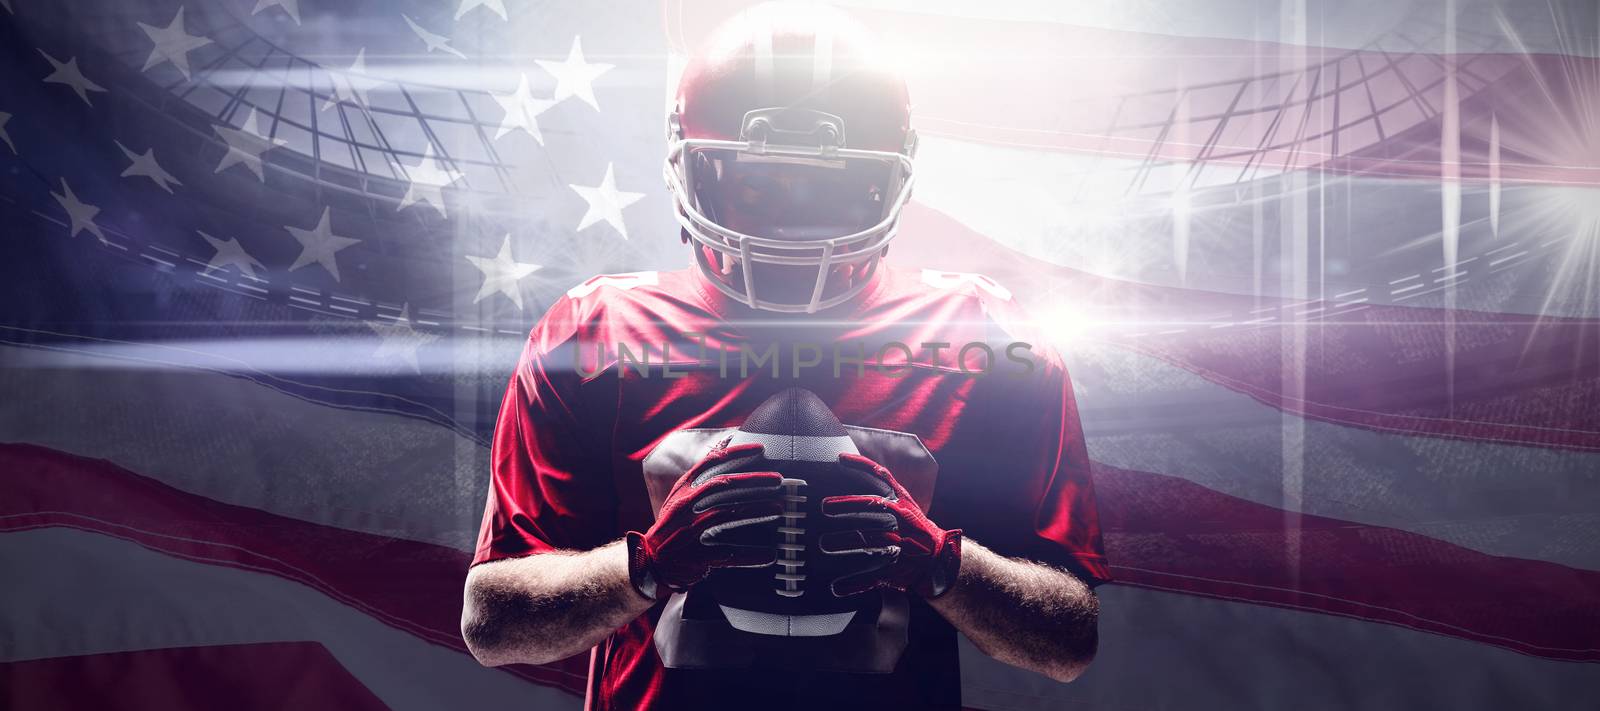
(898, 546)
(709, 520)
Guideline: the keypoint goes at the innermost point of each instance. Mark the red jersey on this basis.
(623, 362)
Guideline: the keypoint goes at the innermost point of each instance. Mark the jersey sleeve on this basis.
(550, 487)
(1025, 488)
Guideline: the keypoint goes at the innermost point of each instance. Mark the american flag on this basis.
(1326, 276)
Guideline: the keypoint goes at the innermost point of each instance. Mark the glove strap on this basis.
(946, 565)
(639, 566)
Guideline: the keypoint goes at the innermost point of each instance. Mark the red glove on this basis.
(898, 545)
(709, 520)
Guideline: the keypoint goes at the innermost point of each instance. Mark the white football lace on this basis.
(790, 561)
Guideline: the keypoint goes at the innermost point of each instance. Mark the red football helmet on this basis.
(790, 157)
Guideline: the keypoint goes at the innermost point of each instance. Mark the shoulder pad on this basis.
(627, 280)
(957, 280)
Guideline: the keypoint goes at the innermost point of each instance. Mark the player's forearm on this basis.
(1025, 614)
(549, 606)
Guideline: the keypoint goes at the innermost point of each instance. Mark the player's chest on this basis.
(665, 424)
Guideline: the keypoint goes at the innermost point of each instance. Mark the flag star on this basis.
(501, 274)
(145, 165)
(575, 77)
(606, 203)
(498, 6)
(69, 74)
(433, 41)
(522, 111)
(290, 6)
(352, 84)
(428, 180)
(320, 245)
(245, 145)
(4, 119)
(82, 215)
(231, 254)
(400, 340)
(172, 44)
(428, 177)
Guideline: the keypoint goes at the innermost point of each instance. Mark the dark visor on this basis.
(786, 197)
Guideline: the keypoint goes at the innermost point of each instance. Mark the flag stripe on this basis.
(1246, 102)
(1169, 534)
(1122, 218)
(1142, 413)
(413, 586)
(300, 675)
(1162, 532)
(1358, 24)
(162, 601)
(375, 471)
(1162, 650)
(1515, 379)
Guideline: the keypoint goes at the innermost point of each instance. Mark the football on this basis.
(786, 612)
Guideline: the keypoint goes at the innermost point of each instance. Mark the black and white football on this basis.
(801, 439)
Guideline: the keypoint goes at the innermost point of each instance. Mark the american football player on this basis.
(791, 156)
